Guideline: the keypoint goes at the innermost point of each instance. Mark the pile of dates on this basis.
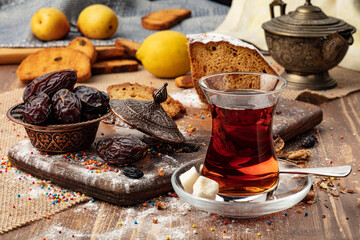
(52, 99)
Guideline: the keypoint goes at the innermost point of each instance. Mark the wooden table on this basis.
(329, 217)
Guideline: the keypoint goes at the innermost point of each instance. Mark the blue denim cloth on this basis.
(15, 16)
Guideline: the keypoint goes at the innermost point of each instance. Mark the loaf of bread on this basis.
(215, 53)
(114, 66)
(54, 59)
(130, 47)
(141, 92)
(164, 19)
(84, 45)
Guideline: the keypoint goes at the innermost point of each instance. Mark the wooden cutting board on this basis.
(291, 119)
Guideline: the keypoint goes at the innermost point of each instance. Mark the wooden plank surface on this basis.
(15, 55)
(329, 217)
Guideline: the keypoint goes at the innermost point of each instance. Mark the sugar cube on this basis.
(188, 179)
(206, 188)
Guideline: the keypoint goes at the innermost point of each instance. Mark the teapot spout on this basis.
(347, 36)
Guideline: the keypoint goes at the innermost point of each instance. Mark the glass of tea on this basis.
(241, 155)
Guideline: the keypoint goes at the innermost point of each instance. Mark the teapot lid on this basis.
(148, 116)
(306, 21)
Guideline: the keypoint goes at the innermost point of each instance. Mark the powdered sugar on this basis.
(188, 98)
(89, 206)
(217, 37)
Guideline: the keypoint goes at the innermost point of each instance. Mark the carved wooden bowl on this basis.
(62, 138)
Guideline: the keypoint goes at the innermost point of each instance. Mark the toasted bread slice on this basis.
(184, 81)
(84, 45)
(111, 52)
(141, 92)
(114, 66)
(164, 19)
(54, 59)
(130, 47)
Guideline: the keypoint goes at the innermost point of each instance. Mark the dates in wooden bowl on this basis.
(68, 105)
(53, 115)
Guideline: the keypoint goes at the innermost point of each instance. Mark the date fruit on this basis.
(120, 150)
(308, 141)
(50, 83)
(94, 103)
(66, 107)
(37, 109)
(132, 172)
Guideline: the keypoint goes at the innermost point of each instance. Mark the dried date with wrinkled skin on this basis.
(37, 109)
(92, 100)
(66, 107)
(50, 83)
(121, 150)
(132, 172)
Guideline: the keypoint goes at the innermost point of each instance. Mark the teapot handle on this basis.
(279, 3)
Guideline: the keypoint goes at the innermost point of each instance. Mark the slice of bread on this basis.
(141, 92)
(84, 45)
(54, 59)
(184, 81)
(114, 66)
(216, 53)
(164, 19)
(111, 52)
(130, 47)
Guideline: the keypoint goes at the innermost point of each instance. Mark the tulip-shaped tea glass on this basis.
(241, 155)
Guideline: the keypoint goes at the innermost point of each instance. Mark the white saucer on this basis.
(291, 190)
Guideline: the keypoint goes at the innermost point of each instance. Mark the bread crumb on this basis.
(334, 194)
(160, 171)
(279, 144)
(323, 185)
(160, 205)
(351, 191)
(300, 154)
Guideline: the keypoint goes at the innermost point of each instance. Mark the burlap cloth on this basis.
(23, 199)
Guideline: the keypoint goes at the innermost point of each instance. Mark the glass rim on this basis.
(202, 85)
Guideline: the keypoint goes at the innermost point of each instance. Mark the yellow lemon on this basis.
(164, 54)
(49, 24)
(97, 21)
